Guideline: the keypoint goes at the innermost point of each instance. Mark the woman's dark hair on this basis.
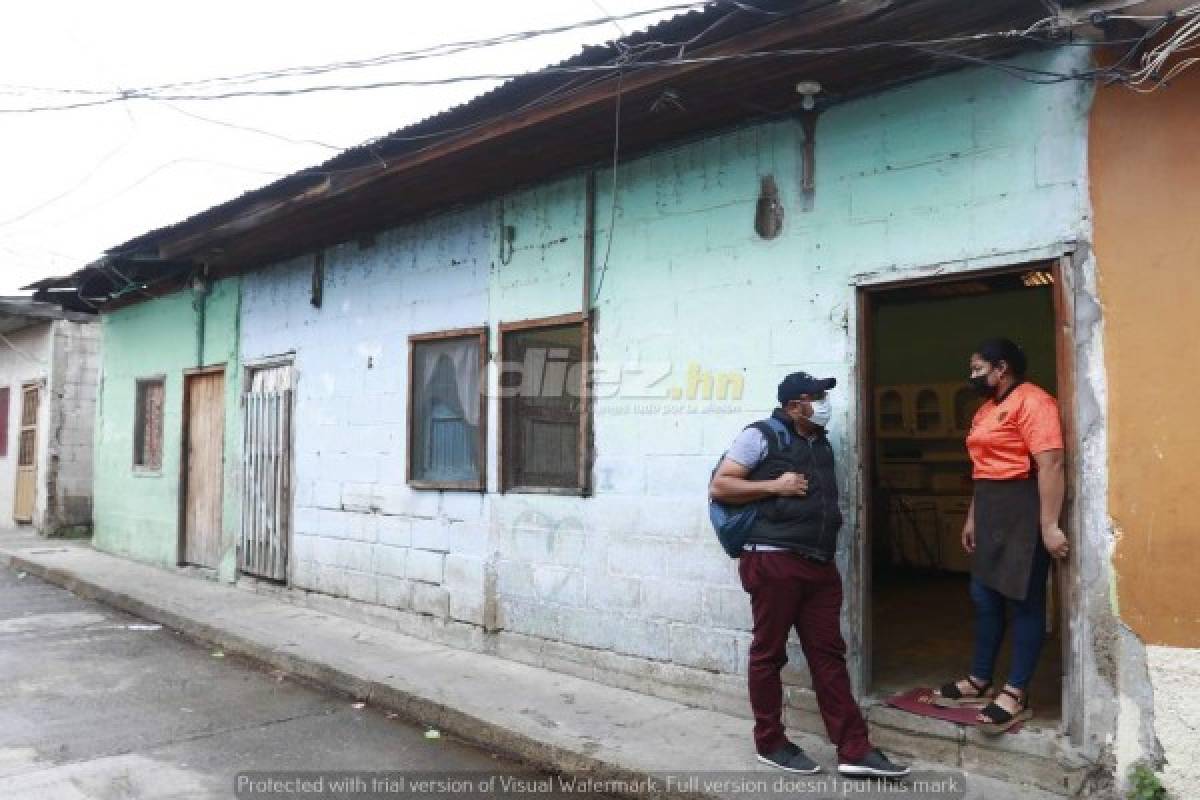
(996, 350)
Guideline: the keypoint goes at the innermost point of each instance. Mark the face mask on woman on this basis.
(980, 385)
(822, 412)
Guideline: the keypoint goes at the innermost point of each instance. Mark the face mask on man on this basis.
(822, 412)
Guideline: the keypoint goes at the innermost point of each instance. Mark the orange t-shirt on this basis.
(1004, 435)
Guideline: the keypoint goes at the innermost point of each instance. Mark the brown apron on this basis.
(1007, 531)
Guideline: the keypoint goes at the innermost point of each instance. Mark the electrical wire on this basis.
(607, 69)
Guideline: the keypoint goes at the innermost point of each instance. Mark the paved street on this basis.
(97, 704)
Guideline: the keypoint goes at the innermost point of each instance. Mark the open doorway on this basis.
(919, 339)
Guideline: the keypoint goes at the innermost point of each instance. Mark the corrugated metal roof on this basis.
(506, 96)
(572, 126)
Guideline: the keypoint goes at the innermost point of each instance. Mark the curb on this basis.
(413, 708)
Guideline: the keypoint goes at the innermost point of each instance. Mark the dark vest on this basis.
(807, 525)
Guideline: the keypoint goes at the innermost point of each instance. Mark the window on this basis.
(544, 408)
(4, 411)
(447, 419)
(148, 425)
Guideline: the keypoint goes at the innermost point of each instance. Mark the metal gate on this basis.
(267, 474)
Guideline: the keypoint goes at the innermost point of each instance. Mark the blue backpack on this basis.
(733, 522)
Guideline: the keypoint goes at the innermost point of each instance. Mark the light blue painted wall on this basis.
(951, 173)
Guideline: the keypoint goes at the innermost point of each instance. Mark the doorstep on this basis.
(550, 720)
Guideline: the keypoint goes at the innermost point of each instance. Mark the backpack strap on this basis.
(777, 435)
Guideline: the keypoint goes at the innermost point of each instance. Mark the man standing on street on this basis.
(785, 465)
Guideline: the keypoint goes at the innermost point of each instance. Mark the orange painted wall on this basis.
(1145, 186)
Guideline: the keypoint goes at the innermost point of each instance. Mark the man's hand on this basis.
(1055, 540)
(968, 535)
(790, 484)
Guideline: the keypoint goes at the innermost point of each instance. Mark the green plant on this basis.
(1144, 784)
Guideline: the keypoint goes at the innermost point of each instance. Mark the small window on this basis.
(544, 413)
(447, 420)
(148, 425)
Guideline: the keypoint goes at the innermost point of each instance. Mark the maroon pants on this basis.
(788, 591)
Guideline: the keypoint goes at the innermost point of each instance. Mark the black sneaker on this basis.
(791, 758)
(873, 765)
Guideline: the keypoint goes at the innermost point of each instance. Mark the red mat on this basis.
(916, 701)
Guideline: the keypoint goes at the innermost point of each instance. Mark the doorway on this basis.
(918, 337)
(203, 466)
(267, 471)
(25, 492)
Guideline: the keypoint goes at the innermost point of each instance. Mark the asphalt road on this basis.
(98, 705)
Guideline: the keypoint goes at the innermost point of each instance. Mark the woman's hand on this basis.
(1055, 540)
(968, 534)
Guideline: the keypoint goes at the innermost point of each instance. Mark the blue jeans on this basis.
(1029, 625)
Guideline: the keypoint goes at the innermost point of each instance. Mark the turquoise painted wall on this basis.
(137, 513)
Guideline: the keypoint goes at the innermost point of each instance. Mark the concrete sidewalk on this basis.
(550, 720)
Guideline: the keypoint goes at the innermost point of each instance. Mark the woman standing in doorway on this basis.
(1012, 529)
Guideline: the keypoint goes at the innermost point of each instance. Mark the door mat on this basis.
(917, 701)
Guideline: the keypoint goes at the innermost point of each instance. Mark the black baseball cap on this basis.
(798, 383)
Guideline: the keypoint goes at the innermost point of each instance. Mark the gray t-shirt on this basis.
(749, 448)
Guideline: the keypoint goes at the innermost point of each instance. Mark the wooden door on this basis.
(267, 474)
(204, 455)
(25, 496)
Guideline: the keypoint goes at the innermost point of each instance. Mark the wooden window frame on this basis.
(142, 469)
(584, 466)
(6, 410)
(480, 485)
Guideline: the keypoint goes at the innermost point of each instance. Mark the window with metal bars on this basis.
(148, 424)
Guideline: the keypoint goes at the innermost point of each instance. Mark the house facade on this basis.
(49, 363)
(399, 418)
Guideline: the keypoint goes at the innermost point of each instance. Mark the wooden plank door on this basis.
(267, 474)
(204, 454)
(26, 490)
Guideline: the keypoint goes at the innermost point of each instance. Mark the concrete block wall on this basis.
(74, 383)
(359, 531)
(971, 169)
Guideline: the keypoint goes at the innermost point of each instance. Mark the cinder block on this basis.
(463, 572)
(429, 599)
(703, 562)
(431, 534)
(672, 600)
(394, 531)
(355, 556)
(426, 565)
(530, 617)
(390, 561)
(394, 592)
(637, 557)
(359, 497)
(468, 538)
(467, 605)
(727, 608)
(612, 592)
(362, 586)
(560, 585)
(702, 648)
(640, 637)
(588, 628)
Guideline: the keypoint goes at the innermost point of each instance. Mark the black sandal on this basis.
(950, 696)
(1000, 719)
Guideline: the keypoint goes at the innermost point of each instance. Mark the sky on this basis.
(77, 182)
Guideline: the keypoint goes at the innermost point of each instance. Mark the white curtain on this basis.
(463, 354)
